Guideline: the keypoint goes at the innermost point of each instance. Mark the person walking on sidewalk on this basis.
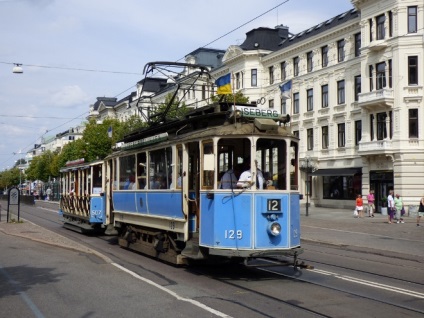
(360, 205)
(420, 211)
(390, 207)
(371, 206)
(398, 206)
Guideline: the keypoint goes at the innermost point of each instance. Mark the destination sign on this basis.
(145, 141)
(254, 112)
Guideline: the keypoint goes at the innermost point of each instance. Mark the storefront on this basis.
(381, 182)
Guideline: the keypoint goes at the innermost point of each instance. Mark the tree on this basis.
(229, 98)
(176, 110)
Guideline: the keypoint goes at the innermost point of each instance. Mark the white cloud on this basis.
(68, 96)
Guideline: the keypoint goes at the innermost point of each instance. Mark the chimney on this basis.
(283, 32)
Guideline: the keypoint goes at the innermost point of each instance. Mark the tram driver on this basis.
(245, 181)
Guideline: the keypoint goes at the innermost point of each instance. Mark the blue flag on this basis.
(286, 89)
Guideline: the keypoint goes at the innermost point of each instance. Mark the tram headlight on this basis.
(274, 228)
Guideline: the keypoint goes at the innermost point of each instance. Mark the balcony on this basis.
(377, 100)
(375, 147)
(377, 45)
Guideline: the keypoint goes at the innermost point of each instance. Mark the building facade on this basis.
(355, 100)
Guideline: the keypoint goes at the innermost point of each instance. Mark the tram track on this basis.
(320, 269)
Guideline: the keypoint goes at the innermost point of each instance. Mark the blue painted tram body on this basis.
(166, 193)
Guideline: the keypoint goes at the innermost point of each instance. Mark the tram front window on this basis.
(271, 155)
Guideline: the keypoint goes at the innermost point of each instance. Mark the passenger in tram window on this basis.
(230, 178)
(132, 185)
(245, 180)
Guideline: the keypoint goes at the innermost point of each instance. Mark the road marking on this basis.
(16, 286)
(371, 284)
(170, 292)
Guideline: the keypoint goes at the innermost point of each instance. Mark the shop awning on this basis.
(337, 172)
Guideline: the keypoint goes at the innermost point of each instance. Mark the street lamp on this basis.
(307, 165)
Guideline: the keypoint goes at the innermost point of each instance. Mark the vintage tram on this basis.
(161, 187)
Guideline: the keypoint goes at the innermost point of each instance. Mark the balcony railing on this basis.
(375, 146)
(381, 98)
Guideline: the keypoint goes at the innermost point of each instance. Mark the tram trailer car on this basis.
(168, 201)
(83, 201)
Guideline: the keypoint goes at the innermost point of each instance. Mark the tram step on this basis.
(192, 250)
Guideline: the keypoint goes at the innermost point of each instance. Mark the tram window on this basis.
(179, 167)
(231, 153)
(97, 178)
(160, 172)
(141, 170)
(127, 172)
(271, 155)
(208, 165)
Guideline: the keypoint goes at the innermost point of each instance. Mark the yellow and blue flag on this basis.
(224, 84)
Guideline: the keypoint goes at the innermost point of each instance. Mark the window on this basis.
(412, 19)
(296, 66)
(271, 74)
(412, 70)
(381, 126)
(324, 130)
(341, 92)
(283, 66)
(357, 44)
(390, 13)
(310, 138)
(160, 168)
(238, 80)
(340, 50)
(324, 96)
(372, 127)
(296, 103)
(283, 106)
(203, 91)
(271, 104)
(127, 173)
(310, 100)
(370, 25)
(390, 73)
(296, 133)
(358, 131)
(370, 71)
(381, 75)
(254, 77)
(413, 123)
(357, 87)
(324, 56)
(380, 27)
(309, 61)
(341, 135)
(341, 188)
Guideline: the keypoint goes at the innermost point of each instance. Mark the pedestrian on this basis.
(420, 211)
(48, 194)
(390, 207)
(398, 206)
(371, 206)
(360, 205)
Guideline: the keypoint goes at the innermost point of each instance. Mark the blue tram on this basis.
(162, 191)
(167, 197)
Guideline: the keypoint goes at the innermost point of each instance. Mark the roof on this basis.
(263, 39)
(321, 27)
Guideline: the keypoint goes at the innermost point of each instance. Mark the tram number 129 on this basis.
(233, 234)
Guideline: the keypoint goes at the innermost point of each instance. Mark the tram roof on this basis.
(205, 122)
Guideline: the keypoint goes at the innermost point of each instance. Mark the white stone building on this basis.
(356, 97)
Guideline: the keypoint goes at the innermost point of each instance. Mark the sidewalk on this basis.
(329, 226)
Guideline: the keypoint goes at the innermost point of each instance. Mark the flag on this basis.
(109, 131)
(286, 90)
(224, 84)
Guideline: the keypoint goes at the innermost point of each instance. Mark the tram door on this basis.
(192, 187)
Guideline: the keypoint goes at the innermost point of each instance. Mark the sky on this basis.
(73, 51)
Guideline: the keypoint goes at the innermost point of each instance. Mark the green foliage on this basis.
(229, 98)
(176, 110)
(40, 167)
(9, 178)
